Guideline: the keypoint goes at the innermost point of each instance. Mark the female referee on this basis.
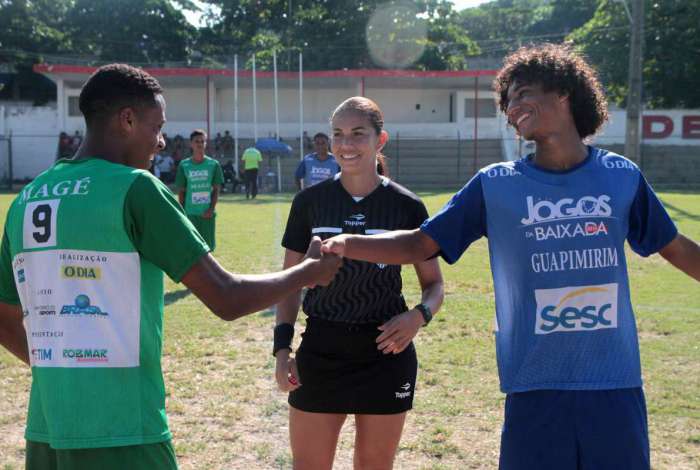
(356, 356)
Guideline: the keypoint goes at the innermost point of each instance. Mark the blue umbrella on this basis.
(273, 146)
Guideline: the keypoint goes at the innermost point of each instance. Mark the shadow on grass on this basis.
(172, 297)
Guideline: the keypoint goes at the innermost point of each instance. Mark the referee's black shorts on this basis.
(342, 371)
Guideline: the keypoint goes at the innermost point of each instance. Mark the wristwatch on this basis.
(425, 312)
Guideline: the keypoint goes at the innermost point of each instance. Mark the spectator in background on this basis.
(166, 167)
(228, 145)
(308, 144)
(65, 146)
(75, 143)
(230, 176)
(317, 166)
(218, 146)
(251, 160)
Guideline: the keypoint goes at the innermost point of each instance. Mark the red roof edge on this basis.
(203, 72)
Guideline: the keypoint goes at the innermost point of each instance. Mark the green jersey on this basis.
(197, 179)
(84, 250)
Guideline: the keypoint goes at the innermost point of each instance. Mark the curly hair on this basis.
(556, 67)
(116, 86)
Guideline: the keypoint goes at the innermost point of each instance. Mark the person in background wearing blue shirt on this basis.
(317, 166)
(556, 222)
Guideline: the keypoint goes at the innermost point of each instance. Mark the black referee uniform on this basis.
(340, 368)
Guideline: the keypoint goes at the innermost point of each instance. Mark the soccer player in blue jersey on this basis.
(556, 222)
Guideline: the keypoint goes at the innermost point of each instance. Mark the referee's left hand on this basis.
(398, 332)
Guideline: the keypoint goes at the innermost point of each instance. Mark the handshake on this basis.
(323, 259)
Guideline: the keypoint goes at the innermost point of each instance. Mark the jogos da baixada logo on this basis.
(544, 211)
(580, 308)
(82, 307)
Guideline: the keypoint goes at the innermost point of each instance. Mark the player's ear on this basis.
(127, 119)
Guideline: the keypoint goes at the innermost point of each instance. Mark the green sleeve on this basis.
(180, 180)
(159, 229)
(218, 174)
(8, 289)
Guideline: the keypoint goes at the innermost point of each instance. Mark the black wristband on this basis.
(284, 332)
(425, 312)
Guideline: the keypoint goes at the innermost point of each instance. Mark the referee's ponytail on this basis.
(371, 110)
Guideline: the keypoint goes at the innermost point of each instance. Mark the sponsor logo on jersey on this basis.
(47, 334)
(356, 220)
(20, 276)
(82, 307)
(579, 308)
(86, 355)
(320, 171)
(502, 171)
(198, 174)
(81, 272)
(570, 230)
(618, 163)
(573, 260)
(45, 310)
(406, 391)
(41, 354)
(566, 208)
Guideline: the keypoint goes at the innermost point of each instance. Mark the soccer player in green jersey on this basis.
(199, 180)
(81, 285)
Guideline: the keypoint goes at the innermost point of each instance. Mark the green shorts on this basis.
(158, 456)
(206, 228)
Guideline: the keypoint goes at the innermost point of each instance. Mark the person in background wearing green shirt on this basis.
(81, 285)
(251, 163)
(199, 180)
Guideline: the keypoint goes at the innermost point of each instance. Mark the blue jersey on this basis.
(564, 318)
(313, 171)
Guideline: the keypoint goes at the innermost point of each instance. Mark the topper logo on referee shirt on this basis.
(356, 220)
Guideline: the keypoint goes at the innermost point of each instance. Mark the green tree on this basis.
(135, 31)
(671, 71)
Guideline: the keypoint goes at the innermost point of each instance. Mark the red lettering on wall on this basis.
(648, 131)
(691, 127)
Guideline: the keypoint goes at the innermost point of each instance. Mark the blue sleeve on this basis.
(650, 226)
(301, 170)
(460, 222)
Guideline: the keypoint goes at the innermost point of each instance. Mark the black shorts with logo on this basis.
(342, 371)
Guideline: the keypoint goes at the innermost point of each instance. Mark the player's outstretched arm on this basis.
(231, 296)
(397, 247)
(12, 334)
(684, 254)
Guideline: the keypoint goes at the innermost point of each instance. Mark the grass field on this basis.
(225, 412)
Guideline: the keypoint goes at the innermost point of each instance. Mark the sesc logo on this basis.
(566, 208)
(581, 308)
(82, 307)
(81, 272)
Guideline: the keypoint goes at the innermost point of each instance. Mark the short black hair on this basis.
(197, 132)
(116, 86)
(321, 134)
(556, 67)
